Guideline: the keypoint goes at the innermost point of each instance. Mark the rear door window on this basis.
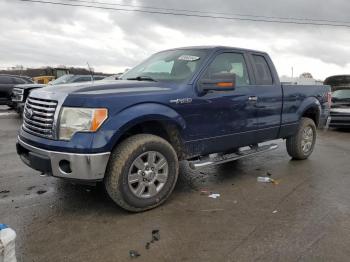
(263, 74)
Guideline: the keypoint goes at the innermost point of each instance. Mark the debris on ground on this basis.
(212, 210)
(40, 192)
(274, 212)
(266, 179)
(155, 235)
(4, 191)
(205, 192)
(7, 244)
(268, 173)
(214, 195)
(30, 188)
(134, 254)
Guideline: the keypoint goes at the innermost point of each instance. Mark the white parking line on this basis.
(8, 114)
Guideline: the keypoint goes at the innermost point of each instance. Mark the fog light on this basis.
(65, 166)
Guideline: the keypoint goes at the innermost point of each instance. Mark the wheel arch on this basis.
(155, 119)
(310, 108)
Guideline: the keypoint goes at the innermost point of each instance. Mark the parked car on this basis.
(7, 83)
(340, 109)
(201, 104)
(67, 79)
(21, 92)
(113, 77)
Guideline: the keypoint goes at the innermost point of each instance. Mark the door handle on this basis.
(253, 98)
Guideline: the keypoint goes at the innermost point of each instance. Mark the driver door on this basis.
(225, 119)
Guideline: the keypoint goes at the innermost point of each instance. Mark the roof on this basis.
(217, 47)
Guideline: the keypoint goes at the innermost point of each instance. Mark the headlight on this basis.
(75, 119)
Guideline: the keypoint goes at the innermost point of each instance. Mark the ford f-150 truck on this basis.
(207, 105)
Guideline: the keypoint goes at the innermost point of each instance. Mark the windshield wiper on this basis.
(142, 78)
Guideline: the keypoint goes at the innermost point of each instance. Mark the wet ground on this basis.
(306, 217)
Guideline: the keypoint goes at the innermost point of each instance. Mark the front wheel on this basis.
(142, 172)
(301, 145)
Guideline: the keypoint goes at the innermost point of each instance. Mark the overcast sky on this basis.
(34, 34)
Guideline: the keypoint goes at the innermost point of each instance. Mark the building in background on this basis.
(303, 79)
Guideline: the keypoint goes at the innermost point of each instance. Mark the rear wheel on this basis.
(301, 145)
(142, 172)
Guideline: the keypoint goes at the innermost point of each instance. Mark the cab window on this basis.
(233, 63)
(263, 74)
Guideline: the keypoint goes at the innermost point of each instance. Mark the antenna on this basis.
(91, 72)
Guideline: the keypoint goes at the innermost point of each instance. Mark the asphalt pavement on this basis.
(305, 217)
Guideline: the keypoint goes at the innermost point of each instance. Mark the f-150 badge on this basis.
(186, 100)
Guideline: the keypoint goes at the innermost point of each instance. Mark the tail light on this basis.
(328, 96)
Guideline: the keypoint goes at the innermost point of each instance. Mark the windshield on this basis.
(342, 94)
(61, 80)
(172, 65)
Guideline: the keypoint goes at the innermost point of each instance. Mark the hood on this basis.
(30, 86)
(103, 87)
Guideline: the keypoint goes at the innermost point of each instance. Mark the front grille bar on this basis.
(38, 116)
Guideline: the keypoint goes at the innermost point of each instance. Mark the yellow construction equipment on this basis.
(50, 74)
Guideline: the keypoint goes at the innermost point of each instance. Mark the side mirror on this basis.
(218, 82)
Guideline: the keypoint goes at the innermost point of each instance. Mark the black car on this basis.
(21, 92)
(7, 83)
(340, 110)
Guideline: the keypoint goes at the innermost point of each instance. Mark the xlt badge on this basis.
(186, 100)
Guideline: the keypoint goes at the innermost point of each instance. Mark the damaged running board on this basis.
(216, 160)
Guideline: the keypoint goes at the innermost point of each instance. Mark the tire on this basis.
(301, 145)
(126, 159)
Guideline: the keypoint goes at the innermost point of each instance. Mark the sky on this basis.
(36, 34)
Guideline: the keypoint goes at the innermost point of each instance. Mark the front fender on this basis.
(116, 125)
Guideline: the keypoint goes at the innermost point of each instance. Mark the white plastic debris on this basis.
(214, 195)
(265, 179)
(7, 244)
(274, 212)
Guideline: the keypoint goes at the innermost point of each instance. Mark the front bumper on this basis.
(86, 167)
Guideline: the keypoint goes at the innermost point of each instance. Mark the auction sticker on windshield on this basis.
(188, 58)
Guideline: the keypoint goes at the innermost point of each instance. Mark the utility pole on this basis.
(292, 72)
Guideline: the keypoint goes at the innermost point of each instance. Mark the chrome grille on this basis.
(38, 116)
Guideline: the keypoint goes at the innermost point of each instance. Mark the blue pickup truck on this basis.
(206, 105)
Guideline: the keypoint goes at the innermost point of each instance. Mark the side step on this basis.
(215, 159)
